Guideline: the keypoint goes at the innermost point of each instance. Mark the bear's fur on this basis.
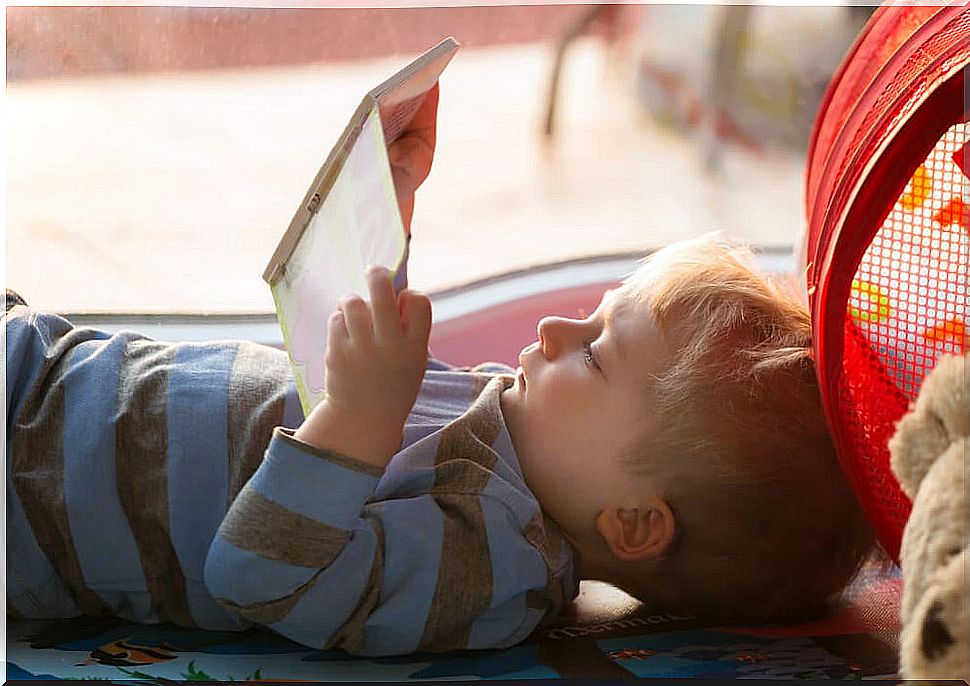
(930, 455)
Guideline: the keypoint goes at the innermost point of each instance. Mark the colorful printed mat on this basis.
(606, 634)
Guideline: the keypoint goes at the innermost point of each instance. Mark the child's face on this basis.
(583, 395)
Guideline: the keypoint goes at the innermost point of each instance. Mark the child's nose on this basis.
(554, 335)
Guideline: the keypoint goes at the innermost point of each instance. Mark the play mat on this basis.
(606, 634)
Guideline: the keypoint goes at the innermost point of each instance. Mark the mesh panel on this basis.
(913, 77)
(908, 306)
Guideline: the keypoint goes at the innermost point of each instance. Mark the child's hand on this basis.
(411, 155)
(377, 354)
(376, 358)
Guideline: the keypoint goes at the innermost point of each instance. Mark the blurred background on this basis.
(155, 155)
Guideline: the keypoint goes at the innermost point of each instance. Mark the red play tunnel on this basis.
(889, 235)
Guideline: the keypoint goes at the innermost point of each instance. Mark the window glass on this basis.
(155, 155)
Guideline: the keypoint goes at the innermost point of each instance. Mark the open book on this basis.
(349, 219)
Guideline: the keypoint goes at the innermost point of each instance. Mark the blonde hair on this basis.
(767, 526)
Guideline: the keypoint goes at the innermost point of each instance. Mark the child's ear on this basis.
(637, 534)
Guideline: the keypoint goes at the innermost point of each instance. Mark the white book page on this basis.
(358, 224)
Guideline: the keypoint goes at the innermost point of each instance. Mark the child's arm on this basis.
(295, 551)
(411, 155)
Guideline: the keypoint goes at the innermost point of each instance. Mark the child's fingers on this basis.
(387, 322)
(425, 121)
(337, 338)
(416, 312)
(411, 155)
(412, 158)
(357, 317)
(424, 124)
(337, 328)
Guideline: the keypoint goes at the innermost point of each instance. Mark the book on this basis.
(348, 219)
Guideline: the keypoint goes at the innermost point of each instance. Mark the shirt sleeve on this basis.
(294, 536)
(303, 552)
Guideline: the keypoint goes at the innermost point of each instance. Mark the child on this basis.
(671, 443)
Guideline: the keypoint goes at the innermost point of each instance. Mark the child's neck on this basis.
(591, 561)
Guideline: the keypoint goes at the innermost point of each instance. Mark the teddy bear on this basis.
(930, 456)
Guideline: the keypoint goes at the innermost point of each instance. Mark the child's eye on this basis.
(588, 350)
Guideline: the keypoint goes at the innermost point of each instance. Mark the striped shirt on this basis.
(161, 482)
